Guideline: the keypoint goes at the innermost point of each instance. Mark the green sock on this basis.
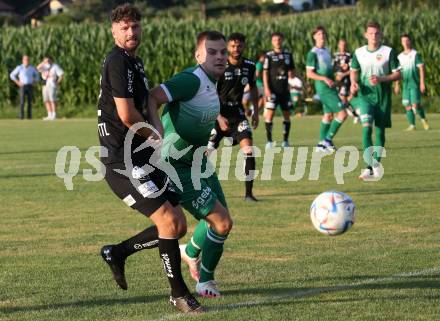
(380, 142)
(211, 254)
(194, 246)
(410, 117)
(334, 127)
(367, 142)
(421, 112)
(323, 130)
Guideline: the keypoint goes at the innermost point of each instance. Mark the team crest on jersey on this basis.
(287, 60)
(237, 72)
(379, 57)
(244, 81)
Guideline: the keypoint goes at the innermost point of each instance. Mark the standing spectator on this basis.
(24, 76)
(52, 75)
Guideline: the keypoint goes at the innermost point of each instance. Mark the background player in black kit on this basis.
(232, 121)
(122, 102)
(278, 69)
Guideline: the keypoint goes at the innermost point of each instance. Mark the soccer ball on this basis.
(332, 213)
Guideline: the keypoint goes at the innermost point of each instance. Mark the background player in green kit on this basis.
(373, 68)
(192, 107)
(413, 79)
(320, 68)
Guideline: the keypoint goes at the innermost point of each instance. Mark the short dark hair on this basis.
(373, 24)
(318, 29)
(405, 35)
(237, 36)
(126, 11)
(276, 34)
(209, 35)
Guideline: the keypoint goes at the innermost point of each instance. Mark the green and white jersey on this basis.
(320, 61)
(381, 62)
(192, 109)
(410, 63)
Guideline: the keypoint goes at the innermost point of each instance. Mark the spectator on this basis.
(24, 76)
(52, 75)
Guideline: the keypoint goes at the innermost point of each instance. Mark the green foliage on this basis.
(168, 45)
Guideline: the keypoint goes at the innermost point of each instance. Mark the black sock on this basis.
(269, 131)
(286, 130)
(147, 239)
(249, 166)
(170, 255)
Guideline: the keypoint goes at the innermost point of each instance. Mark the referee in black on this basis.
(122, 103)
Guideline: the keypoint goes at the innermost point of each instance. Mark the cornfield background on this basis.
(168, 46)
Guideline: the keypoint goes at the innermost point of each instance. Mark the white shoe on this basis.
(285, 144)
(367, 175)
(193, 264)
(208, 289)
(269, 145)
(378, 173)
(355, 120)
(321, 148)
(328, 144)
(410, 128)
(47, 118)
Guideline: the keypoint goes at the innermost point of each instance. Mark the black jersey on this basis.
(341, 63)
(122, 76)
(230, 87)
(278, 66)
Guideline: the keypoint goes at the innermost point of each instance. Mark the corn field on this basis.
(168, 46)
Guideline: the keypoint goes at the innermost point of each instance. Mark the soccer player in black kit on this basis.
(232, 121)
(278, 68)
(122, 103)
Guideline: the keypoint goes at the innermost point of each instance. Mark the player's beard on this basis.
(132, 48)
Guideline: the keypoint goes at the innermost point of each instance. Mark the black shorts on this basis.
(239, 129)
(146, 194)
(283, 100)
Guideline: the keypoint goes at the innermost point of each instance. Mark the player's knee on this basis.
(224, 227)
(327, 117)
(342, 115)
(173, 224)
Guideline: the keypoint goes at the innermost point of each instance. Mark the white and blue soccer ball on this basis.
(332, 213)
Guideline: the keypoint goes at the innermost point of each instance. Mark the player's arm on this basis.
(422, 71)
(267, 92)
(121, 79)
(291, 71)
(156, 98)
(130, 116)
(182, 87)
(354, 75)
(311, 74)
(396, 87)
(254, 99)
(310, 70)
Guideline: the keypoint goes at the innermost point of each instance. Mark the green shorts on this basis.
(199, 202)
(411, 96)
(375, 114)
(331, 103)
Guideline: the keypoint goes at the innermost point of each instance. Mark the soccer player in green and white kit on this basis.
(192, 107)
(320, 68)
(413, 79)
(373, 68)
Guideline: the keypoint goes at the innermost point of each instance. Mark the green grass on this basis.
(275, 265)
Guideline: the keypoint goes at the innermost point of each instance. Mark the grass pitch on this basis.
(275, 265)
